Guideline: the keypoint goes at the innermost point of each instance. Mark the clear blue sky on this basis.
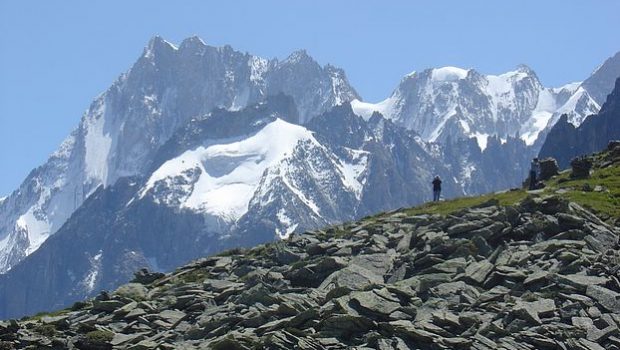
(56, 56)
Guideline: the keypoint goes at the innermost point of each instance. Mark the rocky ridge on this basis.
(540, 274)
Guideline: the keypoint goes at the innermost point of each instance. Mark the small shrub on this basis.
(48, 330)
(232, 252)
(99, 339)
(78, 305)
(194, 276)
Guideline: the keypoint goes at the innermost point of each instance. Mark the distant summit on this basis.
(454, 103)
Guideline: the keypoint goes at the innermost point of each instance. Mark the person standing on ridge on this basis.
(436, 188)
(534, 166)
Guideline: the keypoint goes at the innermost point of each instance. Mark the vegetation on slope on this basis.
(599, 193)
(535, 272)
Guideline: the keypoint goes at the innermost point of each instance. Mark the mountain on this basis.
(501, 165)
(512, 113)
(197, 149)
(451, 102)
(565, 141)
(223, 180)
(124, 127)
(513, 270)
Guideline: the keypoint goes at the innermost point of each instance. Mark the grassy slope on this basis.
(605, 203)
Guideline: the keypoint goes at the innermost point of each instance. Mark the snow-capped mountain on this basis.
(124, 126)
(453, 103)
(227, 179)
(223, 178)
(268, 167)
(198, 148)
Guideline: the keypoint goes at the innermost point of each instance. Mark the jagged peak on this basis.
(158, 41)
(299, 56)
(157, 44)
(193, 42)
(524, 68)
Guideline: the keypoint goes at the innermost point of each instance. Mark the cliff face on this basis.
(565, 141)
(536, 272)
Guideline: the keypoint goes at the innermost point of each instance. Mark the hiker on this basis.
(534, 167)
(436, 188)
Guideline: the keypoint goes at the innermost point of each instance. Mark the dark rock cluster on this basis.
(548, 168)
(581, 167)
(540, 275)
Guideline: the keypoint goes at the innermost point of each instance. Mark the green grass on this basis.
(195, 275)
(454, 205)
(47, 330)
(605, 203)
(42, 314)
(98, 337)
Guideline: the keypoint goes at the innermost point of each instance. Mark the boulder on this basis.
(607, 298)
(375, 302)
(143, 276)
(548, 168)
(581, 167)
(352, 277)
(478, 271)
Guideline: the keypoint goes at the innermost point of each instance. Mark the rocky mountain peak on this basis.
(299, 57)
(524, 68)
(126, 125)
(193, 43)
(157, 46)
(602, 80)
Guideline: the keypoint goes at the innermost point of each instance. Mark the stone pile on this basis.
(540, 275)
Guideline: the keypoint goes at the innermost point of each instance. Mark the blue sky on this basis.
(56, 56)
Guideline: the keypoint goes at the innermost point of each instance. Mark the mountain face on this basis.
(602, 81)
(124, 127)
(501, 165)
(455, 103)
(227, 179)
(566, 141)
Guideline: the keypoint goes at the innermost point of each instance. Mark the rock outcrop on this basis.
(543, 274)
(548, 168)
(581, 167)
